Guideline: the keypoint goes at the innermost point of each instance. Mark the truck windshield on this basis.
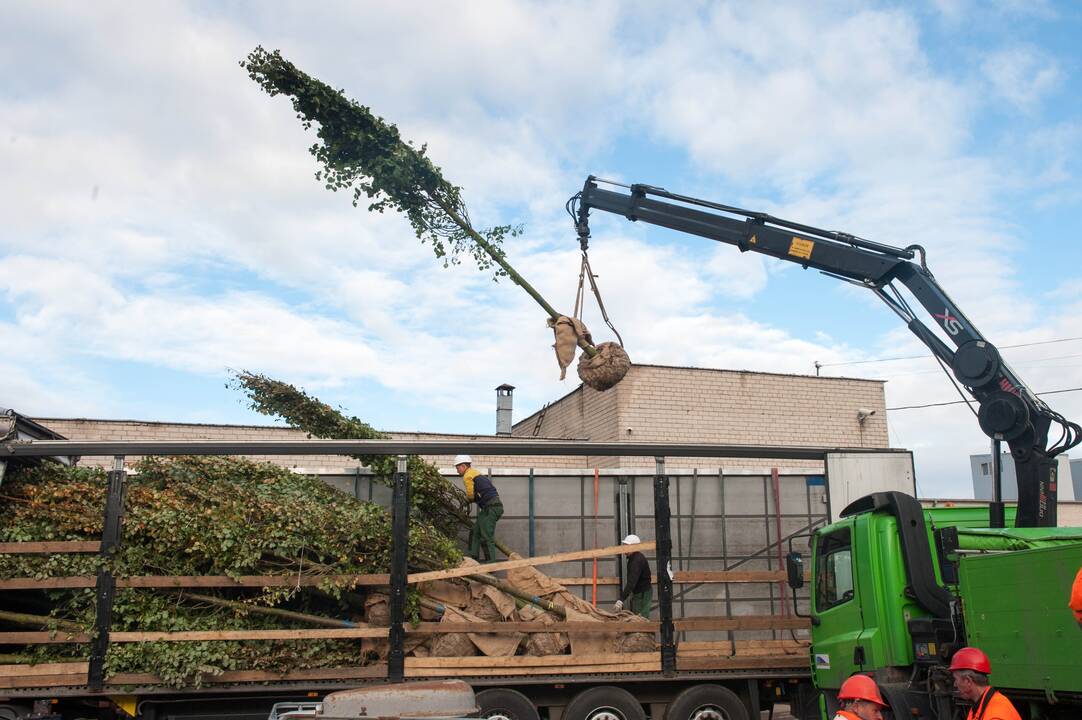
(833, 569)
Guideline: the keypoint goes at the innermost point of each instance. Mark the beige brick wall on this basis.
(658, 404)
(91, 429)
(674, 404)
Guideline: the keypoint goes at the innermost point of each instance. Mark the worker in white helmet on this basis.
(639, 586)
(479, 489)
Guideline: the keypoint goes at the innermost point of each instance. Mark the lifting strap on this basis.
(586, 272)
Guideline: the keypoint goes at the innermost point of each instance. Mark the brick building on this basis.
(652, 404)
(655, 403)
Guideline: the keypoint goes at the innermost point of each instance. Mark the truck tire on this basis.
(13, 712)
(505, 704)
(706, 702)
(604, 702)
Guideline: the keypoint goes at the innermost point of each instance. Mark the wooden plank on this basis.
(191, 581)
(239, 676)
(498, 670)
(530, 562)
(434, 628)
(53, 583)
(42, 638)
(725, 645)
(519, 661)
(43, 681)
(27, 670)
(253, 581)
(774, 661)
(204, 635)
(49, 547)
(743, 622)
(587, 581)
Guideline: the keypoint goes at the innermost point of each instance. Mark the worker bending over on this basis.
(479, 489)
(971, 669)
(640, 585)
(860, 699)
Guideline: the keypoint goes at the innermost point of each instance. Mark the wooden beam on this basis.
(46, 681)
(773, 661)
(49, 547)
(641, 667)
(490, 568)
(27, 670)
(190, 581)
(239, 676)
(52, 583)
(204, 635)
(42, 638)
(523, 661)
(743, 622)
(433, 628)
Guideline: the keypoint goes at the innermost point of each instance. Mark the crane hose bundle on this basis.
(361, 151)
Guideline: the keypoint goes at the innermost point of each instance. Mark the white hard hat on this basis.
(631, 539)
(459, 459)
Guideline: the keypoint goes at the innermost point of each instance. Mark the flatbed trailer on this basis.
(693, 673)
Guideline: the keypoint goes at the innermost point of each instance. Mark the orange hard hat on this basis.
(970, 658)
(861, 687)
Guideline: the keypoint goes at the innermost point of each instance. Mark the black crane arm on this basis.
(1009, 411)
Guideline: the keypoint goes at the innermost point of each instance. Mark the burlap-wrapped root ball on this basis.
(635, 642)
(605, 369)
(453, 645)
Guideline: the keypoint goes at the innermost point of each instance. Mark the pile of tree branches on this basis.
(203, 516)
(434, 499)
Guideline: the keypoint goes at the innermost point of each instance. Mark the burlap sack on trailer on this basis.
(454, 644)
(447, 592)
(543, 644)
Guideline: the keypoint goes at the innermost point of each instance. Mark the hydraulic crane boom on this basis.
(1008, 410)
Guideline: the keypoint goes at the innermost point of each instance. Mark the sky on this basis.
(162, 225)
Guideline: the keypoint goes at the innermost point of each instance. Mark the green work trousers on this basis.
(483, 532)
(640, 602)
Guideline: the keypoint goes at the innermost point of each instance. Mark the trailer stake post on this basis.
(400, 504)
(105, 588)
(663, 537)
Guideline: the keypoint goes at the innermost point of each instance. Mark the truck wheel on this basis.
(504, 704)
(604, 703)
(14, 712)
(706, 702)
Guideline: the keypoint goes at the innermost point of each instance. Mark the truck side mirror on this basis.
(794, 566)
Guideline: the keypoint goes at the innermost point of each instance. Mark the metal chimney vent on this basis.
(503, 409)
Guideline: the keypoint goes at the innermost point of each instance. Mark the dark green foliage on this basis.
(434, 498)
(362, 151)
(206, 516)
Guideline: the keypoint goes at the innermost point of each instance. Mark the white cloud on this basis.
(1022, 76)
(783, 93)
(160, 209)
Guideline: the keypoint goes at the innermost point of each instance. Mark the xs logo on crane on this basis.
(950, 323)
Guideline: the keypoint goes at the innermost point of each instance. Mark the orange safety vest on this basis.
(993, 706)
(845, 715)
(1076, 596)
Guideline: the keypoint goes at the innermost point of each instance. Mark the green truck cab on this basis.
(897, 589)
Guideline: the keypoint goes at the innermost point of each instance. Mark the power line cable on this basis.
(959, 402)
(919, 357)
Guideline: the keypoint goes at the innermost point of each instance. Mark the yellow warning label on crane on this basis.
(801, 248)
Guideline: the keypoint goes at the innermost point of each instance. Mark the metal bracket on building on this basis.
(400, 519)
(106, 584)
(663, 537)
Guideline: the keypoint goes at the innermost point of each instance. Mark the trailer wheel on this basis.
(14, 712)
(505, 704)
(604, 702)
(707, 702)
